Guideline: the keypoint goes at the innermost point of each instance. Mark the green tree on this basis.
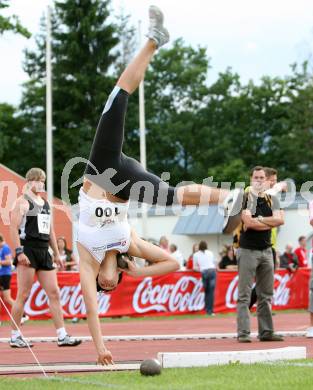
(194, 130)
(11, 23)
(293, 149)
(10, 124)
(82, 43)
(10, 136)
(266, 124)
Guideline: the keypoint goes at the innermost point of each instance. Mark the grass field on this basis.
(293, 375)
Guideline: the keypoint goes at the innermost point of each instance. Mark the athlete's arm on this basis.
(54, 246)
(89, 290)
(20, 209)
(162, 262)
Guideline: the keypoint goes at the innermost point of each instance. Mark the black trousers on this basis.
(254, 296)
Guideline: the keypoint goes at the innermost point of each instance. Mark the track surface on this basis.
(131, 351)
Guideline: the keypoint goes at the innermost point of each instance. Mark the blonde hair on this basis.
(35, 174)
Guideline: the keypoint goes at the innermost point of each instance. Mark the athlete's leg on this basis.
(129, 81)
(25, 278)
(199, 194)
(158, 36)
(145, 187)
(106, 151)
(135, 71)
(48, 281)
(108, 141)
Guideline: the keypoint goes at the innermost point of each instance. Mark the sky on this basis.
(254, 38)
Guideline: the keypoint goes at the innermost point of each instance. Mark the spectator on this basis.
(205, 263)
(275, 188)
(164, 244)
(189, 264)
(261, 212)
(228, 261)
(178, 256)
(66, 255)
(5, 271)
(272, 188)
(6, 261)
(288, 259)
(301, 252)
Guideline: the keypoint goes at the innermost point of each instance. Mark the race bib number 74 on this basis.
(44, 222)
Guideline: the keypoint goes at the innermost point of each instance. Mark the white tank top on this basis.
(103, 225)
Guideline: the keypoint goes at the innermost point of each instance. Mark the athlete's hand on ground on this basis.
(105, 358)
(23, 259)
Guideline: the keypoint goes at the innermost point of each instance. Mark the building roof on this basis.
(208, 220)
(212, 223)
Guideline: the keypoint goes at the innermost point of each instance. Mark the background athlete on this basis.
(32, 233)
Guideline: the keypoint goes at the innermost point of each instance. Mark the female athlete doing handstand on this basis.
(111, 180)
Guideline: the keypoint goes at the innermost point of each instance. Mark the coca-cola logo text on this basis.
(71, 298)
(184, 295)
(281, 291)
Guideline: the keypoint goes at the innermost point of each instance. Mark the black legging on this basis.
(117, 173)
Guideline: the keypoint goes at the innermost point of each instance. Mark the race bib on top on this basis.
(105, 215)
(44, 222)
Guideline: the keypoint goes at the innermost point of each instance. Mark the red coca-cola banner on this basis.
(177, 293)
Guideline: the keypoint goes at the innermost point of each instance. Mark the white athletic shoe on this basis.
(68, 341)
(157, 32)
(19, 342)
(309, 333)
